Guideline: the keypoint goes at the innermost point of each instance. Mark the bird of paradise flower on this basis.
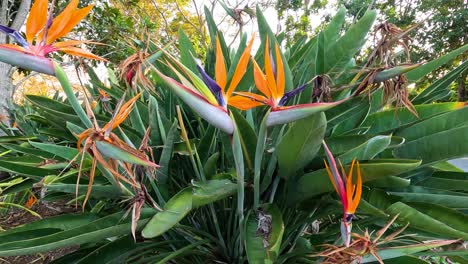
(42, 31)
(349, 192)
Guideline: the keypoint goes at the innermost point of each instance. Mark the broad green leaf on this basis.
(29, 171)
(445, 182)
(109, 226)
(211, 191)
(26, 150)
(300, 144)
(118, 249)
(259, 152)
(247, 137)
(434, 91)
(341, 112)
(8, 139)
(262, 249)
(423, 70)
(99, 191)
(67, 88)
(174, 211)
(389, 120)
(437, 147)
(111, 151)
(366, 151)
(61, 222)
(444, 198)
(317, 182)
(186, 51)
(352, 121)
(422, 221)
(61, 151)
(166, 154)
(344, 49)
(436, 124)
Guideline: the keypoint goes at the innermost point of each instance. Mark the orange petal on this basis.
(260, 80)
(68, 24)
(357, 195)
(81, 53)
(122, 114)
(270, 76)
(15, 47)
(70, 43)
(61, 21)
(349, 184)
(241, 68)
(279, 73)
(243, 103)
(37, 19)
(220, 67)
(330, 175)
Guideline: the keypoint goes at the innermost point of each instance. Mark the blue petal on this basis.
(273, 65)
(212, 85)
(290, 94)
(14, 34)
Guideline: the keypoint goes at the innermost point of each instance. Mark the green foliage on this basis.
(255, 195)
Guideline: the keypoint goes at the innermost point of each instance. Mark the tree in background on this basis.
(443, 25)
(12, 13)
(157, 20)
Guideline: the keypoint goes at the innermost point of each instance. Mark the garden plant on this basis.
(258, 153)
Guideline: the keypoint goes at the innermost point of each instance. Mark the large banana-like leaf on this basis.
(264, 247)
(300, 144)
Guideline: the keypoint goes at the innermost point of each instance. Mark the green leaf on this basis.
(300, 144)
(186, 51)
(67, 88)
(61, 222)
(444, 198)
(317, 182)
(437, 147)
(366, 151)
(105, 227)
(174, 211)
(425, 222)
(421, 71)
(111, 151)
(211, 191)
(29, 171)
(259, 152)
(258, 249)
(99, 191)
(247, 138)
(344, 49)
(391, 119)
(8, 139)
(440, 87)
(436, 124)
(61, 151)
(166, 155)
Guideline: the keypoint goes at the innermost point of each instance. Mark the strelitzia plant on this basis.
(272, 85)
(349, 192)
(206, 96)
(42, 31)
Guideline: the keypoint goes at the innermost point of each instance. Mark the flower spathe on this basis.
(348, 191)
(42, 31)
